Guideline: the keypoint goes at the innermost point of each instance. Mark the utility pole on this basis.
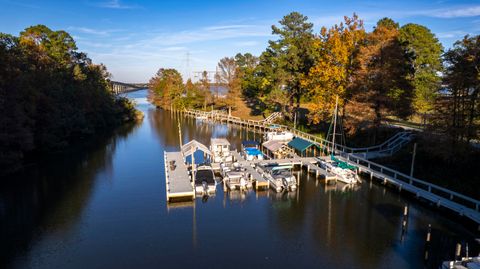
(413, 159)
(295, 120)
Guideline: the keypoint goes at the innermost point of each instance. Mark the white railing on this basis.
(455, 201)
(384, 147)
(441, 196)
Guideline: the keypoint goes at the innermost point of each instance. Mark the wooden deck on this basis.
(387, 148)
(463, 205)
(313, 168)
(177, 180)
(255, 173)
(306, 162)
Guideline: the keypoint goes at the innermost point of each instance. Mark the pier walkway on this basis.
(260, 181)
(387, 148)
(177, 180)
(307, 162)
(442, 197)
(463, 205)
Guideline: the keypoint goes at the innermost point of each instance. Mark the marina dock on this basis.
(442, 197)
(178, 182)
(305, 162)
(256, 175)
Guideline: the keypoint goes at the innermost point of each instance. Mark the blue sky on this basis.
(135, 38)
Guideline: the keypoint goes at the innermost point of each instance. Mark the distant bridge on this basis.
(121, 87)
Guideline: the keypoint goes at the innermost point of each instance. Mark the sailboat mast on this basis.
(334, 125)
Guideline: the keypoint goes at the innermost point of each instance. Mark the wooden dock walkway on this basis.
(178, 182)
(307, 162)
(463, 205)
(256, 175)
(313, 168)
(387, 148)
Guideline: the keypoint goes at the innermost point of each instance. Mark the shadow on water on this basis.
(50, 195)
(104, 206)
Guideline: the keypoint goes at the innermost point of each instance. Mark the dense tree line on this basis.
(394, 71)
(51, 95)
(167, 89)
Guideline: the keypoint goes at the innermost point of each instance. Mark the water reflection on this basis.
(50, 195)
(104, 206)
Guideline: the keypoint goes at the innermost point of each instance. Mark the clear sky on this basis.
(135, 38)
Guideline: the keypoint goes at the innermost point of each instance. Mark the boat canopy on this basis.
(272, 145)
(282, 167)
(342, 164)
(250, 143)
(219, 141)
(301, 144)
(274, 126)
(194, 145)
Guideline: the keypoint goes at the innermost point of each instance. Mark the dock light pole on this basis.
(295, 120)
(180, 134)
(413, 159)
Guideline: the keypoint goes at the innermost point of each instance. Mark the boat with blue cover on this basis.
(251, 150)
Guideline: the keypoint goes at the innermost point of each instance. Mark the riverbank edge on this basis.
(34, 157)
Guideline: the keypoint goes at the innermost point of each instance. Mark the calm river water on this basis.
(103, 206)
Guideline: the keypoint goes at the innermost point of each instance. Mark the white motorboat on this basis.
(220, 148)
(201, 118)
(345, 175)
(235, 177)
(281, 136)
(252, 151)
(205, 180)
(235, 180)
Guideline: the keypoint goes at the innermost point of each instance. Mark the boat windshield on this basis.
(285, 172)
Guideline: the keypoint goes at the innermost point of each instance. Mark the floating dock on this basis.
(313, 168)
(442, 197)
(307, 162)
(260, 181)
(177, 180)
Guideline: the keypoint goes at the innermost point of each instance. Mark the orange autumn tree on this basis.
(335, 50)
(381, 80)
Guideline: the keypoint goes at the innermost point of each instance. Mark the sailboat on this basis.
(343, 171)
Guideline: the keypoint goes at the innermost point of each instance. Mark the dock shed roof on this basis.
(250, 143)
(301, 144)
(272, 145)
(194, 145)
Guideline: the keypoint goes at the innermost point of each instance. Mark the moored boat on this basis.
(220, 148)
(205, 180)
(235, 177)
(252, 151)
(278, 135)
(344, 172)
(280, 178)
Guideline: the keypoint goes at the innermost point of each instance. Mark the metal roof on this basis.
(301, 144)
(194, 145)
(272, 145)
(250, 142)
